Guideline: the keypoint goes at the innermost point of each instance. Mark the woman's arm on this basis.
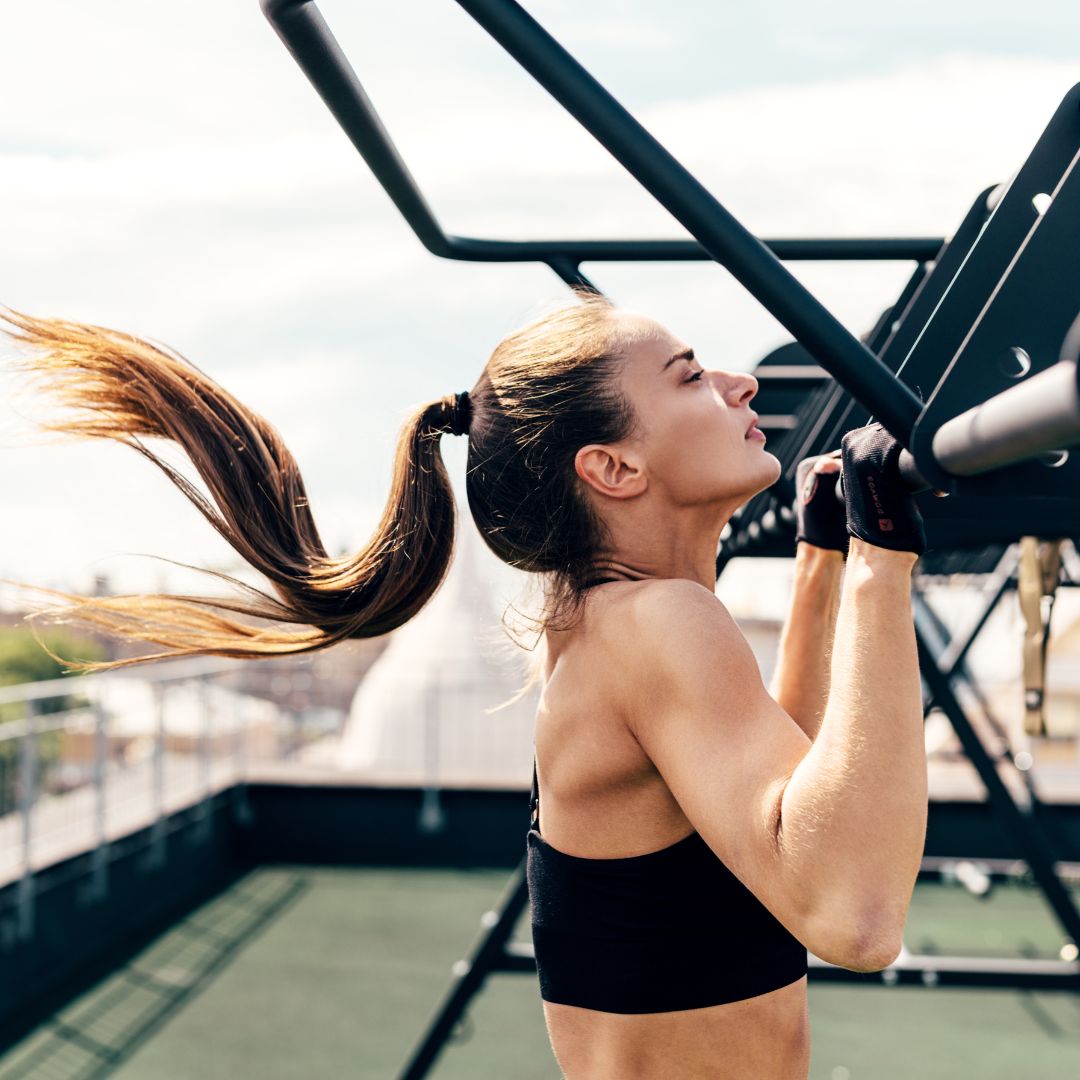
(800, 681)
(853, 814)
(827, 833)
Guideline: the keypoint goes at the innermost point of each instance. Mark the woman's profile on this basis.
(693, 833)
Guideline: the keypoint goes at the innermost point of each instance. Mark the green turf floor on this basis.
(308, 973)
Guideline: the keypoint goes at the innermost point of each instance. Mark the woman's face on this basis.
(699, 444)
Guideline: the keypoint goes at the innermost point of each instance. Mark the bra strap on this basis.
(534, 800)
(598, 581)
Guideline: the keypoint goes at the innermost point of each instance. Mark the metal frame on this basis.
(757, 265)
(719, 236)
(939, 675)
(307, 37)
(722, 237)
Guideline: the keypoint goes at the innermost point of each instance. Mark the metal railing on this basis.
(90, 759)
(98, 757)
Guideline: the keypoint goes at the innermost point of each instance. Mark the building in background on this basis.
(422, 714)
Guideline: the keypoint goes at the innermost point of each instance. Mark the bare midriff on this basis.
(601, 797)
(765, 1038)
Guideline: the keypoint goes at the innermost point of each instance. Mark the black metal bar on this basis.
(814, 249)
(1024, 829)
(991, 971)
(729, 243)
(1039, 415)
(487, 957)
(569, 271)
(953, 653)
(306, 35)
(1000, 582)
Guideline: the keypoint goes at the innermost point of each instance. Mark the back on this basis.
(666, 927)
(603, 797)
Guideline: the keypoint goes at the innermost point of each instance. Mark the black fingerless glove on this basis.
(819, 514)
(880, 507)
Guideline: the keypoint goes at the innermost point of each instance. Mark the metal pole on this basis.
(1024, 827)
(241, 809)
(305, 34)
(28, 768)
(834, 347)
(432, 817)
(1040, 415)
(204, 779)
(157, 836)
(489, 954)
(100, 858)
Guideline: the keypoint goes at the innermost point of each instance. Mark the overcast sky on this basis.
(169, 171)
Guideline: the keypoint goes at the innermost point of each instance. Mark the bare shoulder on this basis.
(667, 630)
(673, 611)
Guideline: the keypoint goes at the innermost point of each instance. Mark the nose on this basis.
(739, 387)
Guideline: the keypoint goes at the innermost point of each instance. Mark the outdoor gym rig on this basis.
(983, 322)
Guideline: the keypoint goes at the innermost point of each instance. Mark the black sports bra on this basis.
(670, 929)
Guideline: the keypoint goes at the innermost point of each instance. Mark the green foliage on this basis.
(23, 660)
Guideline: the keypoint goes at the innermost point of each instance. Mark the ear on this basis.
(610, 471)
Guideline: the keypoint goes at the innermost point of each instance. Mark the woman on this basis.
(693, 834)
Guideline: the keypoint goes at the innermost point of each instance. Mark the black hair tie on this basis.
(458, 414)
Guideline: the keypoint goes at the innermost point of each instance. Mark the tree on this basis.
(23, 660)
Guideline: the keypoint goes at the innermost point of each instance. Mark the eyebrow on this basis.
(686, 354)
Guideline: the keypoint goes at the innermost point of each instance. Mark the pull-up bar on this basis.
(1014, 425)
(306, 35)
(969, 446)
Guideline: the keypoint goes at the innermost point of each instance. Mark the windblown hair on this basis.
(548, 388)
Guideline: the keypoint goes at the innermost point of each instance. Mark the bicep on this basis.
(723, 746)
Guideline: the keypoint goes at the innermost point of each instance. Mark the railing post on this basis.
(28, 770)
(242, 813)
(157, 833)
(99, 857)
(204, 779)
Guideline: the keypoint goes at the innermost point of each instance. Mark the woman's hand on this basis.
(819, 514)
(881, 509)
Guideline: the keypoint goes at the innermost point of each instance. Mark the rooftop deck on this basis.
(304, 971)
(224, 903)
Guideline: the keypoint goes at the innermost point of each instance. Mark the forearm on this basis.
(800, 681)
(853, 814)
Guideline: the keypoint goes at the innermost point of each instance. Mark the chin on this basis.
(771, 471)
(772, 466)
(761, 476)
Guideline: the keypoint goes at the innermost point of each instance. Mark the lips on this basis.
(752, 426)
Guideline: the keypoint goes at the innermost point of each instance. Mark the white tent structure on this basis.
(419, 718)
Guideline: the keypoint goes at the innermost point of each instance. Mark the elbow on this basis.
(874, 953)
(869, 947)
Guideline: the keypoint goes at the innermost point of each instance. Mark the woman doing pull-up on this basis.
(693, 834)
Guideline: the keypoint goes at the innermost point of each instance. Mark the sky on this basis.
(169, 171)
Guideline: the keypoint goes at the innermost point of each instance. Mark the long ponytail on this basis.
(124, 388)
